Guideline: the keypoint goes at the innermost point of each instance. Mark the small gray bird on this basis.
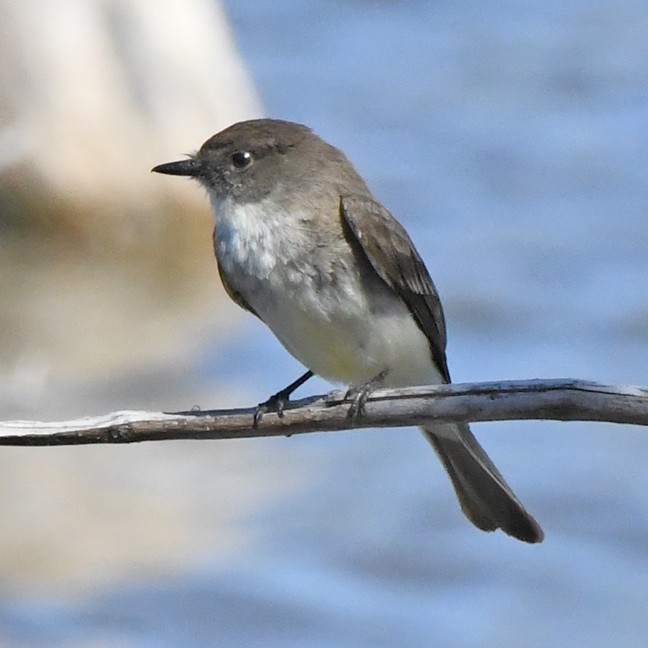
(302, 244)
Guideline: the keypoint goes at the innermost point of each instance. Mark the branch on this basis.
(560, 400)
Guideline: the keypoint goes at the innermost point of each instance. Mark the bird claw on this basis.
(359, 395)
(276, 403)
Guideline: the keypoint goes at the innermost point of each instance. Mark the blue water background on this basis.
(511, 139)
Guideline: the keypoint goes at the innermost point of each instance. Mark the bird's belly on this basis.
(352, 345)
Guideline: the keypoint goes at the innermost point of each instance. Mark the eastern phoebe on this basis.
(302, 244)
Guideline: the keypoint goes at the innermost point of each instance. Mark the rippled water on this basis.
(512, 141)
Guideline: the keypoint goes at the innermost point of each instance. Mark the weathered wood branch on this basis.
(561, 400)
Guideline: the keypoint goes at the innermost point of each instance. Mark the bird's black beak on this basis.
(189, 167)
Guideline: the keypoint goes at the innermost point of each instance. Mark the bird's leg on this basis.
(359, 395)
(277, 402)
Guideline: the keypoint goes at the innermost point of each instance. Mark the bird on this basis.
(302, 243)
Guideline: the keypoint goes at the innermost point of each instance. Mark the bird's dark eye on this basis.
(242, 159)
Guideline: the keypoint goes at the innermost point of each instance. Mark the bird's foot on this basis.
(277, 402)
(359, 395)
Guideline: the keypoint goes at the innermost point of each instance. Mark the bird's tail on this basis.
(485, 497)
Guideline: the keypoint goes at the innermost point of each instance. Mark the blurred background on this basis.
(511, 139)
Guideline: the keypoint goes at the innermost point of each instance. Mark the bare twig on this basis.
(562, 400)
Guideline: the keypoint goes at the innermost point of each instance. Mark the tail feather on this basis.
(485, 497)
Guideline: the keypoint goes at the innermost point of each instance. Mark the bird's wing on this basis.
(376, 234)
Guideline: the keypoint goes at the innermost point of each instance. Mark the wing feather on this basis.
(376, 234)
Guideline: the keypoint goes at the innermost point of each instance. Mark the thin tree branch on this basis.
(561, 400)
